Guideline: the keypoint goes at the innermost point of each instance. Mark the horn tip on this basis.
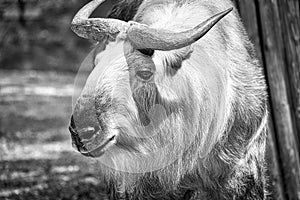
(224, 13)
(228, 11)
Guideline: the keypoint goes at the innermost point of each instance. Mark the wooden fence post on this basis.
(290, 17)
(250, 18)
(273, 53)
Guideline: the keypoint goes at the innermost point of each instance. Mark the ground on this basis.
(37, 160)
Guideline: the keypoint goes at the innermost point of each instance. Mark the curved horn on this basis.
(144, 37)
(96, 28)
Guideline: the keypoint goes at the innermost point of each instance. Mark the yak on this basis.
(175, 106)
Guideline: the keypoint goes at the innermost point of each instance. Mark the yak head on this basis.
(154, 97)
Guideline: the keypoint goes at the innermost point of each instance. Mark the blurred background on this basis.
(39, 58)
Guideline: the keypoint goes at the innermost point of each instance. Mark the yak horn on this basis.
(144, 37)
(141, 36)
(96, 28)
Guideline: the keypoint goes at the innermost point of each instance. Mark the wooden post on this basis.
(248, 11)
(273, 51)
(275, 186)
(290, 18)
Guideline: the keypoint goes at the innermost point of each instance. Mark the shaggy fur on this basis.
(213, 102)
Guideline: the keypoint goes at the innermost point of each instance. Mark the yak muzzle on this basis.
(82, 138)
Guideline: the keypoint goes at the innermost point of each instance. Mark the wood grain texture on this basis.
(275, 186)
(250, 18)
(273, 52)
(290, 20)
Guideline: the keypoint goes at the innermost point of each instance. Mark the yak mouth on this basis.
(100, 149)
(97, 151)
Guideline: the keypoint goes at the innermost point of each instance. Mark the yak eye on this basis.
(147, 52)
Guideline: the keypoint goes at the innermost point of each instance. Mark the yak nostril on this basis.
(88, 133)
(82, 136)
(76, 141)
(144, 74)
